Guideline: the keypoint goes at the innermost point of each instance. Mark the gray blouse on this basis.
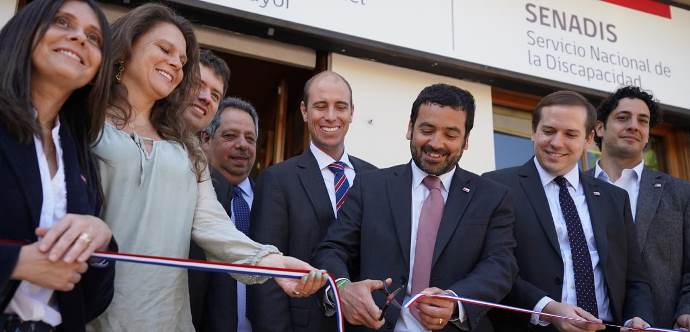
(154, 206)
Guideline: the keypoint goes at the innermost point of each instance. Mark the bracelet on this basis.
(342, 282)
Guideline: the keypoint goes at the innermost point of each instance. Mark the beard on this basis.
(435, 169)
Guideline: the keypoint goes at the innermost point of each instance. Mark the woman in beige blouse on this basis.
(155, 179)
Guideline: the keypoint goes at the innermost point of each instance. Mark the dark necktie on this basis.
(240, 209)
(582, 262)
(340, 183)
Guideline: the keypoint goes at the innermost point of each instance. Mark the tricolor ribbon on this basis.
(514, 309)
(244, 269)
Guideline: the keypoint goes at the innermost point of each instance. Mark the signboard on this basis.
(594, 44)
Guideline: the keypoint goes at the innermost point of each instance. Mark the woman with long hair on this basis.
(158, 194)
(54, 84)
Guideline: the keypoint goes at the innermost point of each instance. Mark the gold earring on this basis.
(120, 69)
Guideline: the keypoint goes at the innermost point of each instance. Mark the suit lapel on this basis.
(534, 191)
(75, 181)
(223, 189)
(459, 195)
(399, 186)
(651, 188)
(310, 176)
(597, 208)
(22, 159)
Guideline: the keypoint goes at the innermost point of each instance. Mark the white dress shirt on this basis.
(328, 177)
(577, 193)
(407, 322)
(629, 180)
(243, 324)
(30, 301)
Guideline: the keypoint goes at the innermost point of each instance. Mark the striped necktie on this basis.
(340, 183)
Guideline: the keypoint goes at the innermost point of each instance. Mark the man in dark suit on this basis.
(298, 199)
(213, 296)
(660, 203)
(576, 245)
(427, 226)
(49, 292)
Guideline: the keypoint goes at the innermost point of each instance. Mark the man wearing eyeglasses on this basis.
(427, 226)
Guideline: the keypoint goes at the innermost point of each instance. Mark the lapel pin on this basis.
(657, 185)
(83, 178)
(465, 189)
(596, 193)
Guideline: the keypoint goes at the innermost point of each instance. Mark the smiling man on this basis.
(215, 76)
(213, 296)
(576, 245)
(660, 203)
(298, 199)
(426, 226)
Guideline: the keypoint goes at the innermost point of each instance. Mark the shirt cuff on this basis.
(328, 306)
(462, 316)
(539, 308)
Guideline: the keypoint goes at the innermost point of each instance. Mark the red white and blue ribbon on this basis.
(222, 268)
(415, 298)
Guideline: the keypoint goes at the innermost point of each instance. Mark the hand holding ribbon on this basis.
(303, 287)
(417, 297)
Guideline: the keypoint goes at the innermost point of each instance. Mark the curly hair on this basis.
(166, 112)
(633, 92)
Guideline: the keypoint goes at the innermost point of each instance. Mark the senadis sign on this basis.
(598, 44)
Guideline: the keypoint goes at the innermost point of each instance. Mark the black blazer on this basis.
(473, 255)
(292, 211)
(213, 296)
(21, 198)
(539, 257)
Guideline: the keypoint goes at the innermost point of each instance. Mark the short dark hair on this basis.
(566, 98)
(307, 85)
(236, 103)
(209, 59)
(633, 92)
(446, 95)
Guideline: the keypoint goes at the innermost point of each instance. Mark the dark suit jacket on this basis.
(473, 255)
(213, 296)
(539, 257)
(21, 198)
(292, 211)
(663, 233)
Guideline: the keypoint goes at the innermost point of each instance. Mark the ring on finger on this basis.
(296, 293)
(85, 237)
(440, 321)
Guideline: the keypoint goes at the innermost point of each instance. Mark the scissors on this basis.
(390, 297)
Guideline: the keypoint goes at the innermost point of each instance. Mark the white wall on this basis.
(383, 96)
(7, 9)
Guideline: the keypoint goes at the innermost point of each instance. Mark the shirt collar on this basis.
(324, 159)
(600, 174)
(418, 175)
(573, 176)
(246, 185)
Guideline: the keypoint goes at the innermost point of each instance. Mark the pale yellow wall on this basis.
(7, 9)
(383, 96)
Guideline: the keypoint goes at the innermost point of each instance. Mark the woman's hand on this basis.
(74, 237)
(304, 287)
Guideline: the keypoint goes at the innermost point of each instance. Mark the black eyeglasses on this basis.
(390, 297)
